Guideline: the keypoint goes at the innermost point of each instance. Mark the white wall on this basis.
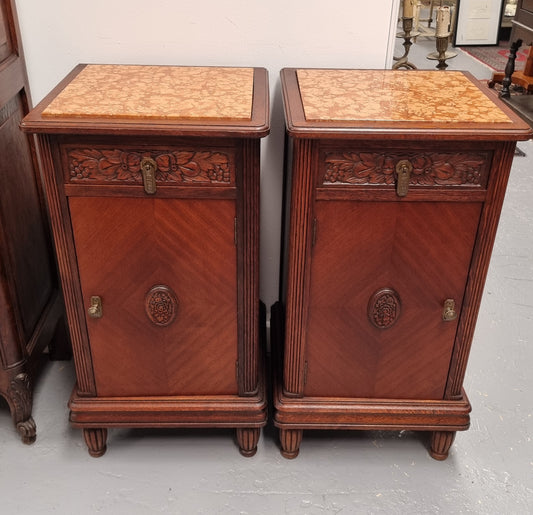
(58, 34)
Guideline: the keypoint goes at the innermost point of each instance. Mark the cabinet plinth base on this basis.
(442, 418)
(95, 414)
(294, 414)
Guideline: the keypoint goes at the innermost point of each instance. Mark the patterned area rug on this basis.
(495, 57)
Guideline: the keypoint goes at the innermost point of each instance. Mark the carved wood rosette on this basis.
(429, 168)
(173, 166)
(384, 308)
(161, 305)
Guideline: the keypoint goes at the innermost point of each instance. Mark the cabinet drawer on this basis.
(184, 166)
(356, 167)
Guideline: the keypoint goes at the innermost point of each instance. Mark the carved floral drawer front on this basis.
(172, 166)
(355, 167)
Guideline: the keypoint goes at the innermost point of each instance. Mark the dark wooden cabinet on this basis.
(152, 175)
(393, 190)
(522, 23)
(31, 312)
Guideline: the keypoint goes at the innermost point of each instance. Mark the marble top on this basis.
(394, 96)
(157, 92)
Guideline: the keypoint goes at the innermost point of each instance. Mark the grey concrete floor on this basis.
(489, 471)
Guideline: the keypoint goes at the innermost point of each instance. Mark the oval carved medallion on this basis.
(161, 305)
(384, 308)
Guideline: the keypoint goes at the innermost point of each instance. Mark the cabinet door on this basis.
(380, 274)
(181, 337)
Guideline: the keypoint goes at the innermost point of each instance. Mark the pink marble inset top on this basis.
(395, 95)
(157, 92)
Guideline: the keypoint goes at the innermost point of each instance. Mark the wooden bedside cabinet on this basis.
(393, 190)
(152, 175)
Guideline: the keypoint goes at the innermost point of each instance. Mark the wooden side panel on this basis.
(248, 269)
(300, 236)
(480, 266)
(6, 43)
(380, 274)
(22, 222)
(30, 305)
(125, 247)
(27, 273)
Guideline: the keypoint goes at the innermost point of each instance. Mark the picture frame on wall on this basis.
(478, 22)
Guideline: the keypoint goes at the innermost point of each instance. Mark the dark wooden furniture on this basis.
(152, 177)
(522, 24)
(31, 312)
(522, 78)
(394, 186)
(522, 104)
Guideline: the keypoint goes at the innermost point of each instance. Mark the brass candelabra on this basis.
(407, 35)
(442, 53)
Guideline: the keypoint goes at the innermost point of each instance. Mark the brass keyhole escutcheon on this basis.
(95, 309)
(448, 310)
(148, 169)
(403, 173)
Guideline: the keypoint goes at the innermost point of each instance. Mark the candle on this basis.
(416, 15)
(443, 21)
(408, 8)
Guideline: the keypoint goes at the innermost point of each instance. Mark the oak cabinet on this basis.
(393, 190)
(153, 183)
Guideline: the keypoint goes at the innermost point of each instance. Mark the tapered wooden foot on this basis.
(96, 441)
(441, 441)
(247, 440)
(290, 442)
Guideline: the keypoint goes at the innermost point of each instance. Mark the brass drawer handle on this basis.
(403, 172)
(148, 169)
(95, 309)
(448, 311)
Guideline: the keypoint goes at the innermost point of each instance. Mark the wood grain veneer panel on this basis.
(125, 246)
(5, 37)
(26, 249)
(362, 247)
